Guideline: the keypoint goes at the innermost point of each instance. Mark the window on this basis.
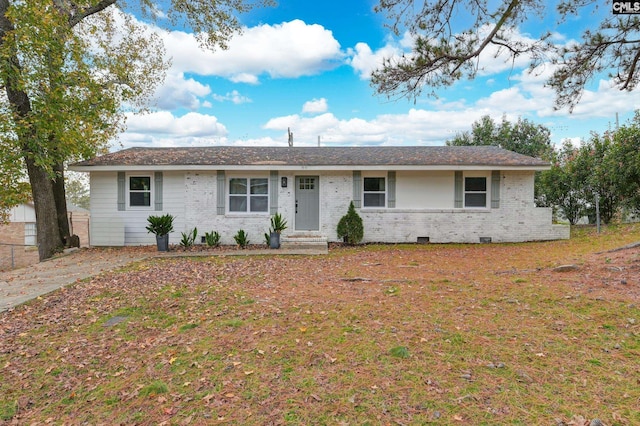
(307, 183)
(249, 195)
(475, 192)
(30, 234)
(140, 191)
(374, 192)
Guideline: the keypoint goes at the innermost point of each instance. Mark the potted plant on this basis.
(161, 226)
(278, 224)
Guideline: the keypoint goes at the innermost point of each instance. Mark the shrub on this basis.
(350, 227)
(160, 225)
(188, 238)
(212, 238)
(241, 238)
(278, 223)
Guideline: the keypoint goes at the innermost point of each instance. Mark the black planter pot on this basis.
(274, 240)
(162, 242)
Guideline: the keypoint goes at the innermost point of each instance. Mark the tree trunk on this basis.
(60, 196)
(49, 240)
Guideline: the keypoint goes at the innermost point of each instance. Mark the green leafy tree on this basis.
(14, 188)
(12, 193)
(624, 163)
(483, 132)
(592, 172)
(451, 35)
(523, 137)
(581, 174)
(69, 70)
(560, 186)
(77, 190)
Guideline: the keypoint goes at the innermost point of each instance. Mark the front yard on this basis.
(444, 334)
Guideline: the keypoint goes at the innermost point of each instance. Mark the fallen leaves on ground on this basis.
(412, 334)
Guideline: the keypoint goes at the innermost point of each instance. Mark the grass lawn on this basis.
(381, 334)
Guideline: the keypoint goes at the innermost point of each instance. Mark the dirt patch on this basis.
(613, 275)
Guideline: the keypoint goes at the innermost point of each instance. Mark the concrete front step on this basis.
(304, 242)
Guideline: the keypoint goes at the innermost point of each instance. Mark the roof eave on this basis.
(280, 167)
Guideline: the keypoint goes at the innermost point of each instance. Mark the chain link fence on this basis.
(17, 255)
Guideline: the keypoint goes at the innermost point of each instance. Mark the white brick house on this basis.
(403, 194)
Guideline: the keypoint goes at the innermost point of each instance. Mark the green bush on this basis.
(278, 223)
(189, 238)
(350, 227)
(212, 238)
(160, 225)
(241, 238)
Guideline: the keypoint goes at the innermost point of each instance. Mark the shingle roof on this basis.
(316, 156)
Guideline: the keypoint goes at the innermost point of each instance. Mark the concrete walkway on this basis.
(21, 285)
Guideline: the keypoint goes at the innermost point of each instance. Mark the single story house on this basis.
(435, 194)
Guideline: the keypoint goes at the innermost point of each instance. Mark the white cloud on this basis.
(600, 99)
(606, 101)
(417, 127)
(244, 77)
(164, 129)
(364, 61)
(315, 106)
(234, 96)
(180, 92)
(511, 101)
(287, 50)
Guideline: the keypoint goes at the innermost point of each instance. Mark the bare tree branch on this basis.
(444, 53)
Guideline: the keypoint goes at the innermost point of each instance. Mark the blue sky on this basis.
(306, 65)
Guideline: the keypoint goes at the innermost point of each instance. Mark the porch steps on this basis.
(304, 242)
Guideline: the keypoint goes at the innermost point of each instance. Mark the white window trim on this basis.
(487, 191)
(30, 234)
(151, 205)
(248, 195)
(385, 192)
